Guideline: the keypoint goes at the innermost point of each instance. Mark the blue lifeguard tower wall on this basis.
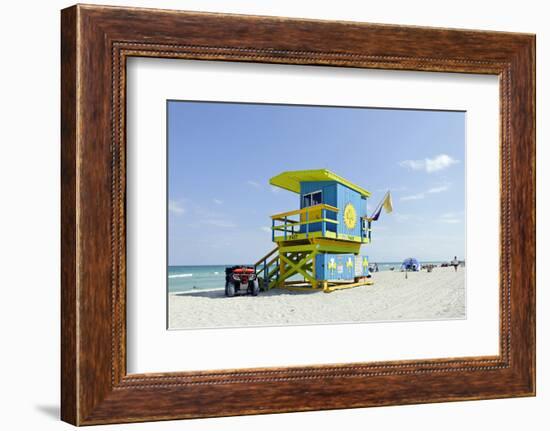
(340, 266)
(336, 195)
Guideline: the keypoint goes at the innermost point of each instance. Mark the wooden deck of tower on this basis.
(321, 241)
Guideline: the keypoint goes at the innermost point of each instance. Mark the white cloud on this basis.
(439, 189)
(438, 163)
(220, 223)
(254, 184)
(451, 218)
(217, 201)
(266, 229)
(275, 189)
(422, 195)
(175, 207)
(413, 197)
(402, 217)
(415, 165)
(392, 189)
(406, 218)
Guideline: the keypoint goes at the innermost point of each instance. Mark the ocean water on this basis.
(183, 278)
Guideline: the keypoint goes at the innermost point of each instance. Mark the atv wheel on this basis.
(254, 287)
(230, 289)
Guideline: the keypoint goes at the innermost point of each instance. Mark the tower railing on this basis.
(366, 229)
(282, 226)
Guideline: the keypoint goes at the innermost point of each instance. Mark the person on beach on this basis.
(454, 263)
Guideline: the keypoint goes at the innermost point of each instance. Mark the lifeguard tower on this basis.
(318, 246)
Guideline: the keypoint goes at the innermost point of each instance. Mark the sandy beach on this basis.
(422, 296)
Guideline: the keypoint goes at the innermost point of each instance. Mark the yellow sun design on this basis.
(350, 216)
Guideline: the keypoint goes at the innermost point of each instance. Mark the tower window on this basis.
(314, 198)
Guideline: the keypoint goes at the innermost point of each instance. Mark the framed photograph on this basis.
(320, 244)
(264, 214)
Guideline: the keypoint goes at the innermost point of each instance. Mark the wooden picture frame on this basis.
(95, 43)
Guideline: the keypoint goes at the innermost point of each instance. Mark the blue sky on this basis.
(221, 156)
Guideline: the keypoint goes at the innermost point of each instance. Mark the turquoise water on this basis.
(183, 278)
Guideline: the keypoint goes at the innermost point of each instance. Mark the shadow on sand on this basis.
(220, 294)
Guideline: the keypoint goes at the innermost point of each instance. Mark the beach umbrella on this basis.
(410, 264)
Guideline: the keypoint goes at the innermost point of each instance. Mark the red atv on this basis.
(241, 280)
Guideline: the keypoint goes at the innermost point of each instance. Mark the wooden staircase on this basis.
(267, 269)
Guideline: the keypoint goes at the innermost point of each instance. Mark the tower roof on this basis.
(290, 180)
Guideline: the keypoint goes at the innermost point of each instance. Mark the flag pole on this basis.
(379, 205)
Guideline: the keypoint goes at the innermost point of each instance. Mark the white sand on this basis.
(423, 296)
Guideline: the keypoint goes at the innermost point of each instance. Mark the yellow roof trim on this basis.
(291, 180)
